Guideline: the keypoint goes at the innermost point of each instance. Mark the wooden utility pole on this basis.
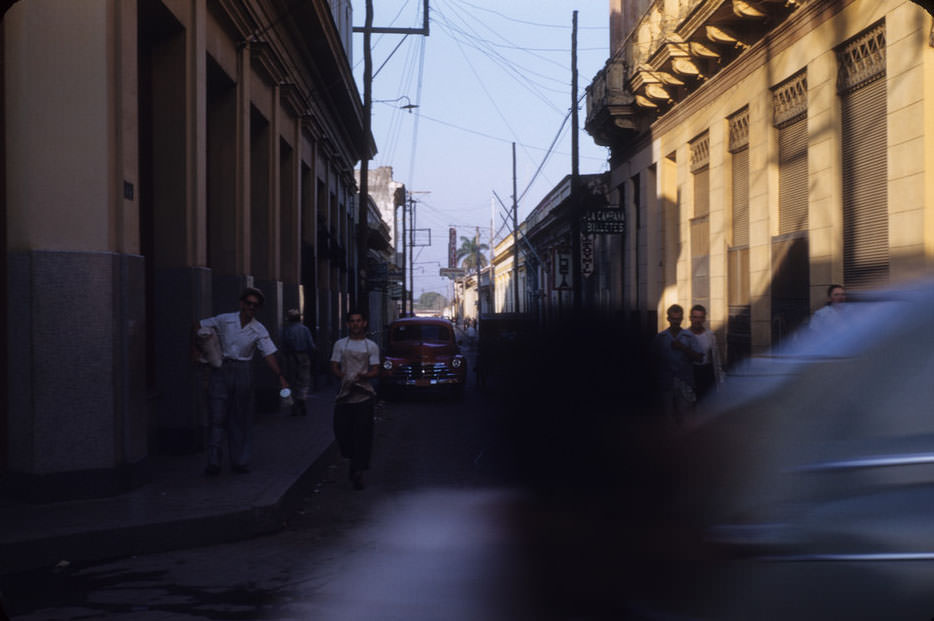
(575, 197)
(405, 289)
(476, 250)
(363, 208)
(515, 235)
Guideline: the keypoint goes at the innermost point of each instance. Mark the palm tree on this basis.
(469, 252)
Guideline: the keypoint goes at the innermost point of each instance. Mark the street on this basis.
(509, 504)
(442, 531)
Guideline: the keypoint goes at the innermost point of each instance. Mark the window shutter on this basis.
(865, 204)
(793, 177)
(741, 197)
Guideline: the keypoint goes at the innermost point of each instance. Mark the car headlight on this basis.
(387, 364)
(456, 363)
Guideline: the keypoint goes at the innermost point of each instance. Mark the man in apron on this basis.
(355, 361)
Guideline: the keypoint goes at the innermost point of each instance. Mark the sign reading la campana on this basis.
(605, 221)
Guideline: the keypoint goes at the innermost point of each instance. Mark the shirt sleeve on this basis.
(209, 322)
(264, 343)
(337, 351)
(311, 341)
(373, 351)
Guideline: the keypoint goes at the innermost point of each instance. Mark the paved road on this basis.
(430, 538)
(502, 506)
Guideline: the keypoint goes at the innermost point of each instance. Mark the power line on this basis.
(522, 21)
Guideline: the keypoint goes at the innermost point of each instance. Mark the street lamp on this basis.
(408, 103)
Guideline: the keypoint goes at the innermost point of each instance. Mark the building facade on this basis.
(157, 157)
(762, 150)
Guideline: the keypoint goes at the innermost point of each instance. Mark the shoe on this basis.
(241, 469)
(357, 480)
(212, 470)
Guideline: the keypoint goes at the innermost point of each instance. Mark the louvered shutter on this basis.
(793, 176)
(865, 204)
(741, 197)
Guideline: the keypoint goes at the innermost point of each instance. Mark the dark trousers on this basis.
(704, 379)
(231, 396)
(353, 428)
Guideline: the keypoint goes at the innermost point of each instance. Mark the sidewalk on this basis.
(181, 507)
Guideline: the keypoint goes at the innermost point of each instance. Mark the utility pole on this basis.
(363, 208)
(476, 248)
(575, 176)
(412, 257)
(405, 288)
(515, 235)
(492, 250)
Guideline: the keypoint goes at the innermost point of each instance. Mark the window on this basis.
(862, 86)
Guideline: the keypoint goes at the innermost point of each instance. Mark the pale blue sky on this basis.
(492, 72)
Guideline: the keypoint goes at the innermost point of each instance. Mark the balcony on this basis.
(667, 57)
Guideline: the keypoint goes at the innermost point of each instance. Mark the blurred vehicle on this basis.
(422, 353)
(809, 479)
(501, 338)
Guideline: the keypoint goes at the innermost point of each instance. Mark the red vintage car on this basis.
(422, 353)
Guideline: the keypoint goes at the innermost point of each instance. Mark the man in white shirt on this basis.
(830, 316)
(355, 361)
(231, 386)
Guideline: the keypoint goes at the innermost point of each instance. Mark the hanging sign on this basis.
(586, 255)
(452, 247)
(607, 221)
(562, 277)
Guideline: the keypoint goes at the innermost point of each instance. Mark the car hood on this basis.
(425, 350)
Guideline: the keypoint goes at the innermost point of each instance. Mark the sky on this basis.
(491, 73)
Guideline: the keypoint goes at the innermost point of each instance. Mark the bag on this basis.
(210, 347)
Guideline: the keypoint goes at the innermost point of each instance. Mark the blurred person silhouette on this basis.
(708, 372)
(298, 350)
(676, 351)
(832, 315)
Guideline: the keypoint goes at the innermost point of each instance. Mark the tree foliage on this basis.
(432, 299)
(468, 253)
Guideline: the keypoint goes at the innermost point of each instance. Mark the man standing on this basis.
(831, 316)
(676, 351)
(354, 361)
(297, 348)
(708, 372)
(231, 385)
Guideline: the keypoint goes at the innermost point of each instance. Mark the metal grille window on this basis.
(700, 163)
(700, 226)
(790, 117)
(739, 147)
(865, 207)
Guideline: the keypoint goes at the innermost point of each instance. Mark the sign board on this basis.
(453, 272)
(452, 247)
(562, 277)
(607, 221)
(586, 255)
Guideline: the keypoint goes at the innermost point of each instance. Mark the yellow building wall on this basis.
(910, 145)
(61, 188)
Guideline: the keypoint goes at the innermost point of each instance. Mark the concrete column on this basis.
(76, 316)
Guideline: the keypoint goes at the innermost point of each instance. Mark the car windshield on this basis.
(420, 332)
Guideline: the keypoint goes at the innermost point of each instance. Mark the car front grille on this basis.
(424, 370)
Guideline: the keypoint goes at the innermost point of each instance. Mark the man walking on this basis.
(297, 349)
(676, 351)
(231, 385)
(355, 361)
